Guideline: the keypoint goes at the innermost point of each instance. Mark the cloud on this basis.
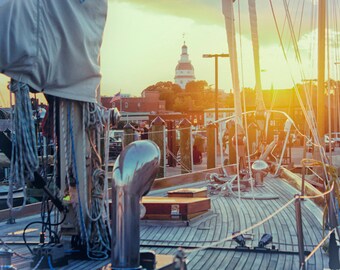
(200, 11)
(209, 12)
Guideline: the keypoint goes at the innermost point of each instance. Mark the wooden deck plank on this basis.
(229, 215)
(312, 232)
(288, 217)
(277, 224)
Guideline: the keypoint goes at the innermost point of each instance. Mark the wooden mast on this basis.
(228, 11)
(260, 106)
(321, 69)
(321, 99)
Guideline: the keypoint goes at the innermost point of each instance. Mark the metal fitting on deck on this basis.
(133, 175)
(259, 169)
(6, 259)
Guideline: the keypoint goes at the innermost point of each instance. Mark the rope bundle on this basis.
(98, 229)
(24, 160)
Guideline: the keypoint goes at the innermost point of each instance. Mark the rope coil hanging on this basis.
(24, 161)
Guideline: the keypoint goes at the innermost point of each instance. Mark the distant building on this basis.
(209, 114)
(148, 102)
(196, 117)
(184, 69)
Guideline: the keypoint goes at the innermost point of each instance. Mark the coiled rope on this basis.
(99, 234)
(24, 161)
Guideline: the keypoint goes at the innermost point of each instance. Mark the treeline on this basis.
(196, 96)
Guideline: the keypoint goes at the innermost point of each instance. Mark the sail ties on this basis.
(24, 161)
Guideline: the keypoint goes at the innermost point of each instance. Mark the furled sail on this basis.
(53, 46)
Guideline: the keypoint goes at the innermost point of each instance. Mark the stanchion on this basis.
(299, 232)
(211, 148)
(303, 177)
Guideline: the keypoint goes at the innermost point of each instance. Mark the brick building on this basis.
(148, 102)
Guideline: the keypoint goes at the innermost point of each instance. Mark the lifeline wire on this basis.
(255, 225)
(317, 247)
(243, 231)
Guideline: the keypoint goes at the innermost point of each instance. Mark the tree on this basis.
(198, 95)
(196, 86)
(168, 91)
(183, 103)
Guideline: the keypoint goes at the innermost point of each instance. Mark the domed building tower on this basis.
(184, 69)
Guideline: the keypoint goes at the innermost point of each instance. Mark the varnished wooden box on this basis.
(170, 208)
(189, 192)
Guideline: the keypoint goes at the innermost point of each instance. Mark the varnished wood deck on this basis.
(229, 214)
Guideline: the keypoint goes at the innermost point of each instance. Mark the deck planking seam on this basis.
(288, 215)
(195, 262)
(310, 238)
(218, 233)
(220, 226)
(272, 264)
(247, 256)
(263, 207)
(223, 229)
(271, 207)
(314, 239)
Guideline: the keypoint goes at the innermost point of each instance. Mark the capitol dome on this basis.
(184, 69)
(184, 66)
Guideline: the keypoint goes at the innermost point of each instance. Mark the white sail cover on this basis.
(53, 45)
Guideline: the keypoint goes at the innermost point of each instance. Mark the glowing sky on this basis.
(143, 39)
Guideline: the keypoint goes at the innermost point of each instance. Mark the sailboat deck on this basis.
(231, 214)
(228, 214)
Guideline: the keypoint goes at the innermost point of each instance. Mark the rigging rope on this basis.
(99, 234)
(24, 161)
(85, 155)
(311, 123)
(55, 156)
(66, 147)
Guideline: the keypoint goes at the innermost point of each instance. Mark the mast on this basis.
(321, 100)
(228, 11)
(321, 68)
(260, 106)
